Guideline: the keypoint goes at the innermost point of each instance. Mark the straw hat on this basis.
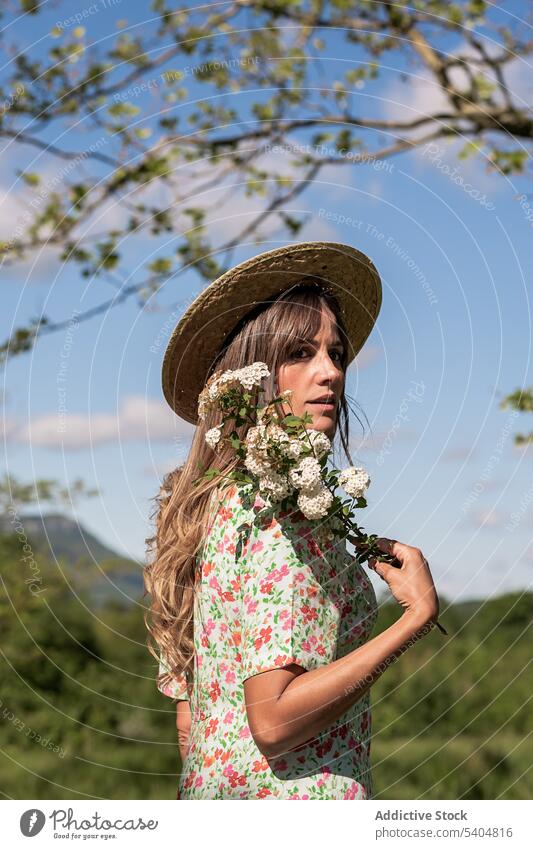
(201, 332)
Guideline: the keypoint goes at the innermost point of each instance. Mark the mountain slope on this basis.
(88, 563)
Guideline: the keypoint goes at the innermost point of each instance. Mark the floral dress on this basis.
(273, 588)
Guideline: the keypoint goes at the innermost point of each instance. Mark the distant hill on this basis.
(91, 565)
(67, 538)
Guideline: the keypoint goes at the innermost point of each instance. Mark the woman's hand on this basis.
(411, 585)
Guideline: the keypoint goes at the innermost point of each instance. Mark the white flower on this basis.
(251, 376)
(205, 400)
(212, 436)
(276, 434)
(274, 486)
(255, 438)
(354, 481)
(257, 460)
(219, 384)
(210, 394)
(293, 448)
(320, 442)
(315, 503)
(306, 475)
(256, 464)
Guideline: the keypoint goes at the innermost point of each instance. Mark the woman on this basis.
(262, 623)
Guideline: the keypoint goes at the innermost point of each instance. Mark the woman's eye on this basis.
(305, 351)
(294, 354)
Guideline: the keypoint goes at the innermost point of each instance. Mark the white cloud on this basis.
(137, 418)
(488, 518)
(420, 95)
(459, 454)
(9, 428)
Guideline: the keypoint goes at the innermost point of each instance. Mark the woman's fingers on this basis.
(387, 544)
(379, 566)
(394, 549)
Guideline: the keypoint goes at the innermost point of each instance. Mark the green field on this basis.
(81, 717)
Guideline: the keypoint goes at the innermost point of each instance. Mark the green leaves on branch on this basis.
(22, 339)
(509, 161)
(14, 494)
(160, 266)
(520, 400)
(29, 179)
(127, 88)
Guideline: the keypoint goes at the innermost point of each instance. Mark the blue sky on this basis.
(455, 322)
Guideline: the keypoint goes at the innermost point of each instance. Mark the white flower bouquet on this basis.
(284, 459)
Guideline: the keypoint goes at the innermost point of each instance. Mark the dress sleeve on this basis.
(287, 616)
(177, 687)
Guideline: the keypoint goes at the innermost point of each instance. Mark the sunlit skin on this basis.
(313, 370)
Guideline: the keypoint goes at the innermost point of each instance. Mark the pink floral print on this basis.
(273, 589)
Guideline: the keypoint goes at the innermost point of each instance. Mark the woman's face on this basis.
(313, 371)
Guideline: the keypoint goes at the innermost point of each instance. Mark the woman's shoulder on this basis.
(229, 501)
(238, 502)
(238, 505)
(241, 504)
(247, 525)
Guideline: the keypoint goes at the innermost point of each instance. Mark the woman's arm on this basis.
(289, 706)
(183, 724)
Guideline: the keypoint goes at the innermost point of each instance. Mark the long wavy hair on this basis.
(270, 333)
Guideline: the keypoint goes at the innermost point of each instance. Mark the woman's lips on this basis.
(322, 404)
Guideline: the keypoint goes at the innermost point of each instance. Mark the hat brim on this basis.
(200, 333)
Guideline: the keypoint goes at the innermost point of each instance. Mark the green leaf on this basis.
(123, 108)
(143, 132)
(468, 150)
(520, 399)
(30, 179)
(160, 266)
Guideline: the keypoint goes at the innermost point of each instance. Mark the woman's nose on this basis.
(329, 368)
